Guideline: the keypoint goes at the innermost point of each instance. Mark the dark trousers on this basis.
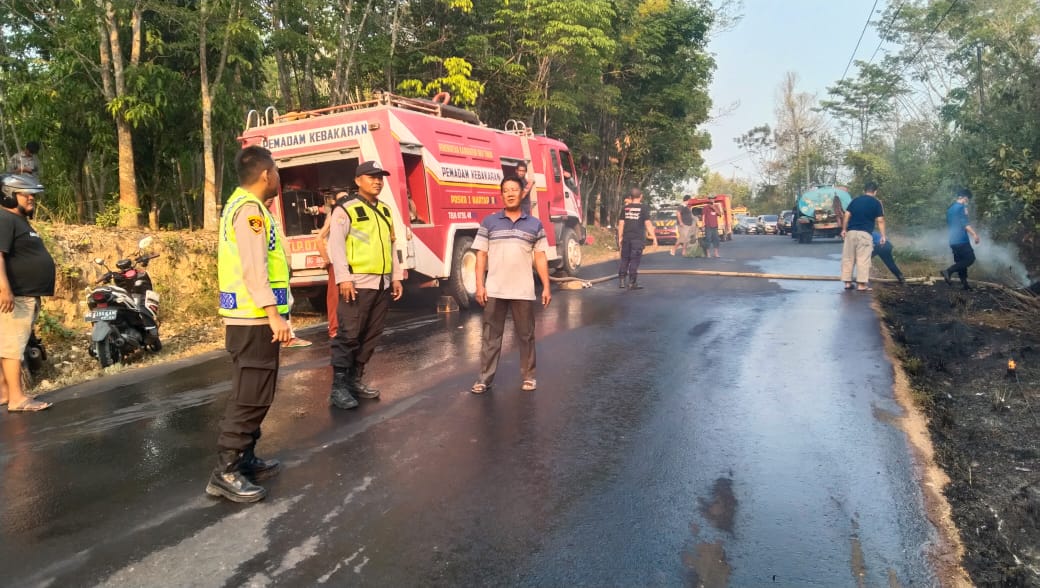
(963, 256)
(254, 373)
(885, 253)
(494, 326)
(631, 254)
(360, 325)
(332, 302)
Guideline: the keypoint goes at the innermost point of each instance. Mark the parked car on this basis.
(767, 224)
(665, 226)
(747, 225)
(783, 226)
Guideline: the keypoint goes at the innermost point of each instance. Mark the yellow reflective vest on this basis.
(371, 237)
(235, 300)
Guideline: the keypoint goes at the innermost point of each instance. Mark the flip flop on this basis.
(30, 405)
(867, 289)
(529, 385)
(849, 286)
(479, 388)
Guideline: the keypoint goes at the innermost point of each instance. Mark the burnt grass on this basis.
(984, 423)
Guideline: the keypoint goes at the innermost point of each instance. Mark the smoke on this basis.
(998, 260)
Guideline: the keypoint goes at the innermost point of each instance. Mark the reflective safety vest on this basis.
(235, 300)
(371, 237)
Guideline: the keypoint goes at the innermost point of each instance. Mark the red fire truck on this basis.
(445, 169)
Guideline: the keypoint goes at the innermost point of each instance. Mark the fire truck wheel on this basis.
(571, 252)
(462, 284)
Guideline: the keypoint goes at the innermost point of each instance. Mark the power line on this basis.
(895, 15)
(930, 34)
(860, 40)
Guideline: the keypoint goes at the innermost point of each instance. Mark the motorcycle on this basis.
(124, 310)
(33, 359)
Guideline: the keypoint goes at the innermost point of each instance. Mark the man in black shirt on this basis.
(633, 227)
(26, 274)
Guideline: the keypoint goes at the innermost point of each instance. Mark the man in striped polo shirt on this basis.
(506, 244)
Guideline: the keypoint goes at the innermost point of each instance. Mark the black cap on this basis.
(964, 193)
(370, 168)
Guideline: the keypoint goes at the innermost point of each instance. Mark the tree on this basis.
(209, 86)
(865, 100)
(121, 105)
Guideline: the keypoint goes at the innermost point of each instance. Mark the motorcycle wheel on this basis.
(106, 353)
(155, 346)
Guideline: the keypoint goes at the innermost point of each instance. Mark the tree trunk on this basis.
(353, 49)
(114, 86)
(307, 90)
(338, 84)
(394, 28)
(211, 212)
(279, 58)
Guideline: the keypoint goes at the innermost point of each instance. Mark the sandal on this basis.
(865, 289)
(296, 342)
(30, 405)
(479, 388)
(849, 286)
(529, 385)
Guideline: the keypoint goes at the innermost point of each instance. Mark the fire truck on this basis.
(445, 169)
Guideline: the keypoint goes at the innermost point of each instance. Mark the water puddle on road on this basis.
(813, 266)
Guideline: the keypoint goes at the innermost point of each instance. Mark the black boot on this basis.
(340, 397)
(621, 282)
(357, 387)
(227, 481)
(256, 468)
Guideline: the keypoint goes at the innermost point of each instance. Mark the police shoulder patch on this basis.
(256, 223)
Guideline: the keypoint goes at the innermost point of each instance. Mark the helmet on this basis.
(16, 183)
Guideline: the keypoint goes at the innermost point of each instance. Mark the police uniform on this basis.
(361, 237)
(252, 273)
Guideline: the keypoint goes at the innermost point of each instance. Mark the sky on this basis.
(814, 38)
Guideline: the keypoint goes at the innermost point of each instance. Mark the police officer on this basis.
(361, 237)
(253, 276)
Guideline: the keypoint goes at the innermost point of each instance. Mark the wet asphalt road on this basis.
(704, 430)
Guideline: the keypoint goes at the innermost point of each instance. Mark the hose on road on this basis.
(571, 283)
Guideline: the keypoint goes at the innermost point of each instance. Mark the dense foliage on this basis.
(138, 102)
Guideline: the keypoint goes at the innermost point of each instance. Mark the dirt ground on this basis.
(984, 421)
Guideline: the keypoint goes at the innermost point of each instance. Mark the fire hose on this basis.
(572, 283)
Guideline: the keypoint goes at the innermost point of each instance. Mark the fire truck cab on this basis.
(445, 170)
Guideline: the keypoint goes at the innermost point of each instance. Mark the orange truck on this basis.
(725, 219)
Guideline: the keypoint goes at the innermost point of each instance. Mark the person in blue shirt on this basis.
(862, 215)
(961, 235)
